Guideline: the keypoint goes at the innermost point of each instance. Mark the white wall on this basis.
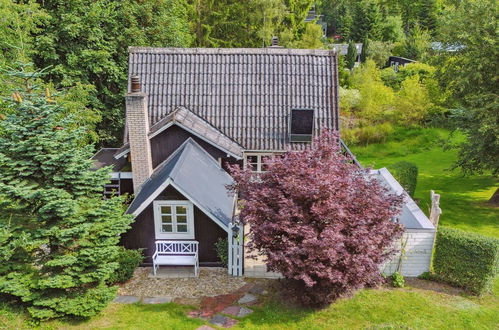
(417, 257)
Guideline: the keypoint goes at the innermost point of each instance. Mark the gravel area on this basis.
(212, 281)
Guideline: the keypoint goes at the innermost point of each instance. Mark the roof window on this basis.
(301, 125)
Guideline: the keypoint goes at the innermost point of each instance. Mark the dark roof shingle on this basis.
(247, 94)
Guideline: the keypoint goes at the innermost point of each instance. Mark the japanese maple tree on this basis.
(322, 222)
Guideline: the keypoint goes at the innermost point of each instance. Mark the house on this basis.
(189, 113)
(397, 61)
(342, 49)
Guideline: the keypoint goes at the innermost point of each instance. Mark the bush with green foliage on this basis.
(222, 247)
(413, 102)
(127, 261)
(57, 257)
(398, 280)
(466, 260)
(406, 174)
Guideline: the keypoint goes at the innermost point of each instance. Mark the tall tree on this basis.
(87, 42)
(351, 56)
(319, 221)
(56, 257)
(367, 21)
(428, 15)
(365, 50)
(417, 44)
(232, 23)
(470, 72)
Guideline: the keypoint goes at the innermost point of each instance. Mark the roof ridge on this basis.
(232, 51)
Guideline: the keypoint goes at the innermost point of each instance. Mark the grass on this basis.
(463, 198)
(406, 308)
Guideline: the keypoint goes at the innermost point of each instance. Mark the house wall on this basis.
(142, 234)
(416, 260)
(417, 256)
(166, 142)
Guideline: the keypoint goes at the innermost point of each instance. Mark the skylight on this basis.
(301, 125)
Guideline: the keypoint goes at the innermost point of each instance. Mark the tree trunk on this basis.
(494, 200)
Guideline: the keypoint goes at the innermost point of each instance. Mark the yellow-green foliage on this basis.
(413, 102)
(376, 98)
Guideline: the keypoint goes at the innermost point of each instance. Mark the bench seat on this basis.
(173, 260)
(176, 253)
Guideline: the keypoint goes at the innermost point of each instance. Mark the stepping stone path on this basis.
(144, 300)
(126, 299)
(157, 300)
(216, 309)
(247, 299)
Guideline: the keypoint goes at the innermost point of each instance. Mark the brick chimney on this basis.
(137, 120)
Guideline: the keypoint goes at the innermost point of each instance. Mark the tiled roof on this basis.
(247, 94)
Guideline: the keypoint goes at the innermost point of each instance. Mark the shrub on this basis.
(316, 220)
(413, 102)
(367, 134)
(222, 247)
(466, 260)
(397, 280)
(406, 174)
(127, 260)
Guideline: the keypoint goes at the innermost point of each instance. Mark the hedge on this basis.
(466, 260)
(406, 174)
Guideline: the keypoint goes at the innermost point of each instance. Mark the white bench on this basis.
(176, 253)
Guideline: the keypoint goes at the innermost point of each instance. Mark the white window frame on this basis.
(259, 163)
(158, 221)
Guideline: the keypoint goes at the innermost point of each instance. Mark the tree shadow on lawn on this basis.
(463, 201)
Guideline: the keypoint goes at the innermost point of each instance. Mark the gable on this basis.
(195, 175)
(247, 94)
(169, 140)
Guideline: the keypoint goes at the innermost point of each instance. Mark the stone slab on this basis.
(244, 312)
(232, 310)
(218, 320)
(248, 298)
(126, 299)
(157, 300)
(205, 327)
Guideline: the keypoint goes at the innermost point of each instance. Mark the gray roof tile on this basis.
(247, 94)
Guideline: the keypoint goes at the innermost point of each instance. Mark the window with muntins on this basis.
(174, 219)
(256, 162)
(301, 125)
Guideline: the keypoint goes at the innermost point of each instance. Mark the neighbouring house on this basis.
(397, 61)
(342, 49)
(189, 113)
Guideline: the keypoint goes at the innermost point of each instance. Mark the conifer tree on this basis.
(351, 56)
(56, 257)
(365, 50)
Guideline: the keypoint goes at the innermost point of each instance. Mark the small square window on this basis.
(174, 220)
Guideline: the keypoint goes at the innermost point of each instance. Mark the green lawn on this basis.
(463, 199)
(407, 308)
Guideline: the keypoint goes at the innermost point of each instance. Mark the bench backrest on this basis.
(176, 247)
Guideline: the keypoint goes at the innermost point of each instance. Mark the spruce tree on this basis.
(365, 50)
(351, 56)
(56, 256)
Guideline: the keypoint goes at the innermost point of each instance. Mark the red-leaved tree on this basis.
(319, 220)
